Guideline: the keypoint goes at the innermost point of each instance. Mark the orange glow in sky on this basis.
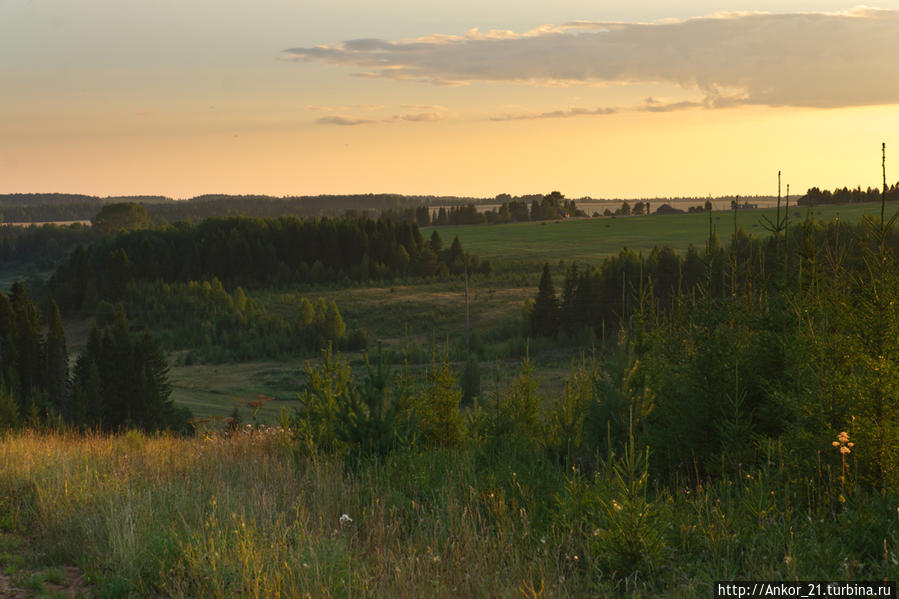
(620, 100)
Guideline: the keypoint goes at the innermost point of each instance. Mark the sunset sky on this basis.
(614, 98)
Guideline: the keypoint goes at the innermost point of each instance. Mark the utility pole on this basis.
(883, 194)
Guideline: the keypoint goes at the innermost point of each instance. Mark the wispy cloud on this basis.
(811, 59)
(321, 108)
(555, 114)
(426, 107)
(648, 105)
(345, 121)
(419, 117)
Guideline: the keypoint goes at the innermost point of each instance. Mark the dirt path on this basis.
(22, 576)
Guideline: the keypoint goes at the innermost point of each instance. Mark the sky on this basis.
(609, 99)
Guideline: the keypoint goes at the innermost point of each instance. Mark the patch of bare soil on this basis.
(29, 582)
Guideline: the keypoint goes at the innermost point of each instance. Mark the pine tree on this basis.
(306, 314)
(27, 339)
(56, 362)
(569, 316)
(440, 421)
(436, 244)
(334, 326)
(9, 410)
(375, 417)
(545, 318)
(455, 258)
(154, 409)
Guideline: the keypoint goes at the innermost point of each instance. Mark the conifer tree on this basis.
(545, 318)
(440, 421)
(306, 314)
(56, 362)
(27, 339)
(334, 326)
(436, 244)
(9, 410)
(375, 417)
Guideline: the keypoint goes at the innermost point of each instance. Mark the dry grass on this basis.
(247, 516)
(241, 516)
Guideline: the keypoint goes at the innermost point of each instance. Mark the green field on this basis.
(590, 240)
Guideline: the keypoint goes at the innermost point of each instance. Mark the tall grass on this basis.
(246, 516)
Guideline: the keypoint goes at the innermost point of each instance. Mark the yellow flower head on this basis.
(843, 437)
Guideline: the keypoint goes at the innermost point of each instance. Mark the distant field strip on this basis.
(591, 240)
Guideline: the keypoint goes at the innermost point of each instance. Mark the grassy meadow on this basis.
(590, 240)
(157, 516)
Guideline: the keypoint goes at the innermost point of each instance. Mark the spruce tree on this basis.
(56, 363)
(27, 339)
(436, 244)
(545, 318)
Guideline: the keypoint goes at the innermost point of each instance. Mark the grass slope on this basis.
(591, 240)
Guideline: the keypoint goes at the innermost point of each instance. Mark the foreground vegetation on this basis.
(247, 515)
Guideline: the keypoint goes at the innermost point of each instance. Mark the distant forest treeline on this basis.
(42, 207)
(522, 209)
(49, 207)
(254, 253)
(44, 246)
(848, 196)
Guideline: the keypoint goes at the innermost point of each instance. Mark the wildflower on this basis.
(843, 437)
(845, 449)
(836, 443)
(616, 505)
(345, 519)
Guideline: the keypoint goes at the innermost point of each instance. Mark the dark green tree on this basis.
(436, 244)
(125, 216)
(56, 362)
(545, 317)
(27, 340)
